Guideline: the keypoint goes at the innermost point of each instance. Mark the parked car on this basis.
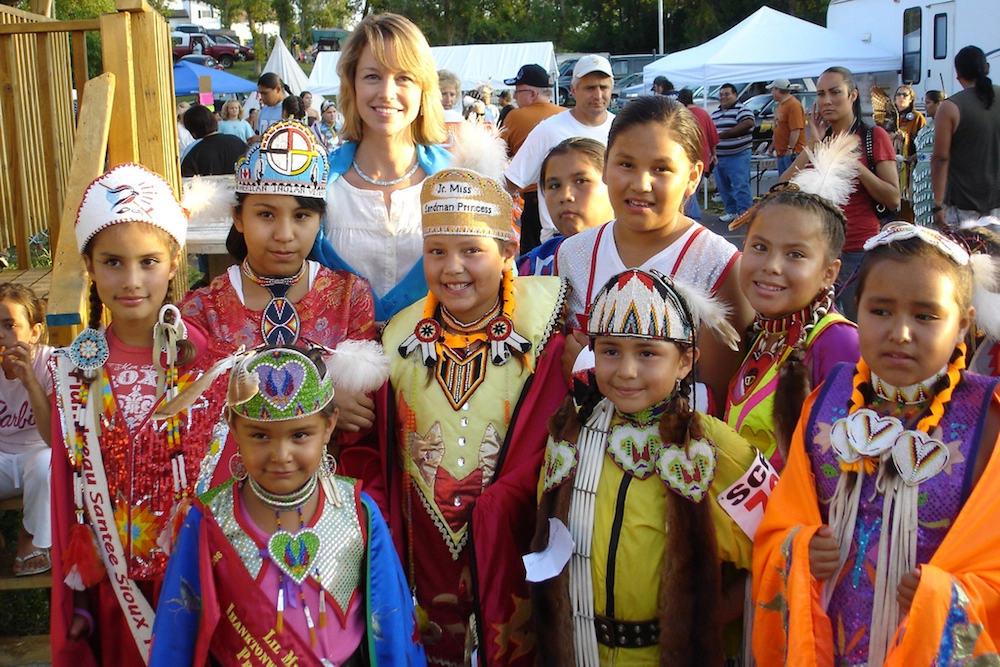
(193, 43)
(617, 101)
(203, 60)
(563, 95)
(763, 128)
(188, 27)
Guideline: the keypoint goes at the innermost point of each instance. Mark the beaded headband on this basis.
(464, 202)
(902, 231)
(129, 193)
(276, 385)
(287, 161)
(638, 304)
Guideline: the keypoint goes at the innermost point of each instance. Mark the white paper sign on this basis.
(746, 499)
(544, 565)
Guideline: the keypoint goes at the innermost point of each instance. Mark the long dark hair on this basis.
(971, 65)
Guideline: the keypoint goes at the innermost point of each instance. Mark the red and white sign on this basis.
(746, 499)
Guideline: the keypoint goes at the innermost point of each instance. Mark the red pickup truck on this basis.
(188, 43)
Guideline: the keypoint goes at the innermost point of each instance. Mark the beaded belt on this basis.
(626, 634)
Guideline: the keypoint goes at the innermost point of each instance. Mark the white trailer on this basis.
(926, 35)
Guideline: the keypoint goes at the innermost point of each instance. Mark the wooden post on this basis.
(68, 294)
(117, 52)
(80, 73)
(10, 72)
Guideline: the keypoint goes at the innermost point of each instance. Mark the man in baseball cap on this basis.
(591, 86)
(531, 75)
(789, 138)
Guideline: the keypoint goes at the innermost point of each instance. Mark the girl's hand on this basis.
(79, 628)
(357, 412)
(19, 356)
(824, 554)
(907, 589)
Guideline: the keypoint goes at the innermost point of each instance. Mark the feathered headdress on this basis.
(831, 175)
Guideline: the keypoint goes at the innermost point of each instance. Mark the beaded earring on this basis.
(236, 467)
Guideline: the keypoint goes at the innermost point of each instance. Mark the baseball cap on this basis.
(780, 84)
(592, 63)
(530, 75)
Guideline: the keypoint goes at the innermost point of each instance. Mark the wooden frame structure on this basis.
(41, 180)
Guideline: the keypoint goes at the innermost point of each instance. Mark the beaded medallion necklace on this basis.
(279, 324)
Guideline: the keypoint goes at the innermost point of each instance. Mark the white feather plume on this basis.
(985, 221)
(834, 168)
(986, 293)
(358, 366)
(207, 199)
(479, 148)
(709, 311)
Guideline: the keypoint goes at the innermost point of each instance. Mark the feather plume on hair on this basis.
(358, 366)
(206, 199)
(480, 149)
(709, 311)
(986, 293)
(834, 168)
(989, 221)
(187, 396)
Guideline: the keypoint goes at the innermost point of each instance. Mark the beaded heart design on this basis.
(870, 433)
(295, 555)
(560, 462)
(280, 385)
(688, 473)
(841, 442)
(918, 456)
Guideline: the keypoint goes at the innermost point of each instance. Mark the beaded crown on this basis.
(464, 202)
(641, 304)
(902, 231)
(129, 193)
(282, 384)
(287, 161)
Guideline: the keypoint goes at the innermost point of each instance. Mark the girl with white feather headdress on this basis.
(794, 238)
(633, 483)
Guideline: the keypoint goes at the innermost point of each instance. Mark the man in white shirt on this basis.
(591, 86)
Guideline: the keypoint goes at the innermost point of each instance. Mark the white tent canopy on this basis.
(765, 45)
(473, 63)
(282, 62)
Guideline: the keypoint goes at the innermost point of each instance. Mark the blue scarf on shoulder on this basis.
(413, 286)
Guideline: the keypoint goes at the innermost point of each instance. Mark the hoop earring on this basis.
(328, 465)
(236, 467)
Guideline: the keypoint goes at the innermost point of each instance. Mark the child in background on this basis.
(572, 186)
(302, 558)
(118, 480)
(451, 92)
(789, 264)
(653, 164)
(475, 370)
(884, 521)
(26, 423)
(232, 121)
(635, 476)
(275, 296)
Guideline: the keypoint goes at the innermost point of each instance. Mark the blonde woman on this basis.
(232, 121)
(393, 125)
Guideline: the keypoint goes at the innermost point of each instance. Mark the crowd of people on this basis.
(469, 400)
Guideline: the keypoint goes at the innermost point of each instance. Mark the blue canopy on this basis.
(186, 80)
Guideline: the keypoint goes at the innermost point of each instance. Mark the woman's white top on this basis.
(381, 244)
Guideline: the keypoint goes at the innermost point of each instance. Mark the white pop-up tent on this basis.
(282, 62)
(765, 45)
(473, 63)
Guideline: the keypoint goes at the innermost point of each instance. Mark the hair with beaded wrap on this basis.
(186, 349)
(916, 249)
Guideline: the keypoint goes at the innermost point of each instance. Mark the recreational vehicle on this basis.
(926, 34)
